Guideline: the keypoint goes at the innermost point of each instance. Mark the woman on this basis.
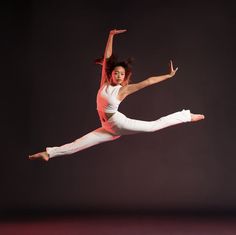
(114, 88)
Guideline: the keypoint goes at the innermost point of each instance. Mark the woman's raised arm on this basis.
(108, 52)
(129, 89)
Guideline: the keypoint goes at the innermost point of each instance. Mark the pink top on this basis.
(107, 98)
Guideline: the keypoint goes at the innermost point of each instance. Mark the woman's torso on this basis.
(108, 101)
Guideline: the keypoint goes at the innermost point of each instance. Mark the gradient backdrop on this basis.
(48, 98)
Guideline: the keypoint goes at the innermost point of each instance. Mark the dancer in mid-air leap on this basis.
(114, 88)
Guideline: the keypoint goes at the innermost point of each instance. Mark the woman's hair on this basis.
(113, 62)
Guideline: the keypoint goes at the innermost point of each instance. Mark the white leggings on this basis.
(116, 126)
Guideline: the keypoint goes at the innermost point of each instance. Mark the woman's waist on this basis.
(104, 116)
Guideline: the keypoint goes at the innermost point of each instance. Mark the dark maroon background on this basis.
(48, 98)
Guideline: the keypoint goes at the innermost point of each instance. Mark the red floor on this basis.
(120, 225)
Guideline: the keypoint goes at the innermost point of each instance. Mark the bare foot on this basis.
(40, 156)
(196, 117)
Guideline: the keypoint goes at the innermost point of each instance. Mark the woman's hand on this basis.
(172, 70)
(117, 31)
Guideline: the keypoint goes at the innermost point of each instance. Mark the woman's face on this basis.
(118, 75)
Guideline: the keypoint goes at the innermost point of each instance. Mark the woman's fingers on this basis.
(121, 31)
(117, 31)
(172, 70)
(172, 67)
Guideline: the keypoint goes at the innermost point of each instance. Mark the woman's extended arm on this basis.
(108, 52)
(129, 89)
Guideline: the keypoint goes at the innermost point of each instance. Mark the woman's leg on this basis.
(122, 125)
(95, 137)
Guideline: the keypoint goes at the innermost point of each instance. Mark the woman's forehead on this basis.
(119, 69)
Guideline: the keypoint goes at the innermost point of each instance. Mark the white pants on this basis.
(116, 126)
